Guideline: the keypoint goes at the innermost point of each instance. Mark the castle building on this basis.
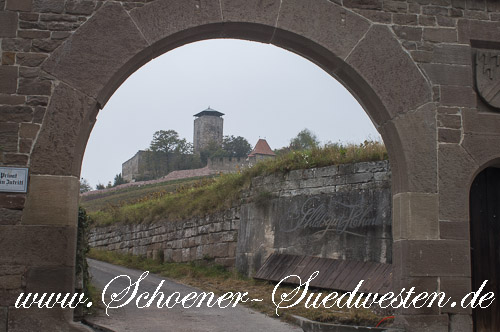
(262, 150)
(208, 128)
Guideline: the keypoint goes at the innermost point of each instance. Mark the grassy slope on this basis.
(199, 197)
(131, 195)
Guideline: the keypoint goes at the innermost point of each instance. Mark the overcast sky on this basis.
(264, 92)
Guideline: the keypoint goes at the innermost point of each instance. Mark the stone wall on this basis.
(214, 236)
(335, 212)
(341, 212)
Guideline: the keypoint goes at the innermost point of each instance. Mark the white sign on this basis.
(14, 180)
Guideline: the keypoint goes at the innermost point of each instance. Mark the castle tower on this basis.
(207, 128)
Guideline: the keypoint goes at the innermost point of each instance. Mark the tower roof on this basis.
(262, 148)
(209, 112)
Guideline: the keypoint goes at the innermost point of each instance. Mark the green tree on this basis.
(305, 140)
(168, 141)
(100, 186)
(236, 146)
(84, 186)
(118, 180)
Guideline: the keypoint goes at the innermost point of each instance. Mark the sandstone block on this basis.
(79, 7)
(8, 24)
(449, 135)
(440, 35)
(33, 34)
(442, 74)
(378, 44)
(9, 216)
(34, 86)
(8, 84)
(456, 288)
(16, 44)
(435, 258)
(454, 163)
(11, 100)
(416, 216)
(53, 6)
(66, 143)
(364, 4)
(115, 42)
(29, 245)
(458, 96)
(50, 279)
(454, 230)
(334, 20)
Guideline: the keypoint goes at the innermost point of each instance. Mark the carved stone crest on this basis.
(488, 76)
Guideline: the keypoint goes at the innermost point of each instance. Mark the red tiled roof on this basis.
(262, 148)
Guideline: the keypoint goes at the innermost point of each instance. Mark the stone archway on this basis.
(414, 81)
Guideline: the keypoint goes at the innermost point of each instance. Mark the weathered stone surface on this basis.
(43, 45)
(34, 86)
(151, 20)
(30, 59)
(435, 258)
(420, 158)
(454, 230)
(33, 34)
(454, 163)
(8, 24)
(37, 101)
(8, 58)
(478, 30)
(44, 6)
(3, 319)
(461, 323)
(95, 70)
(443, 74)
(56, 150)
(20, 5)
(484, 149)
(11, 100)
(9, 216)
(12, 201)
(478, 123)
(8, 139)
(50, 280)
(449, 118)
(16, 113)
(408, 33)
(364, 4)
(80, 7)
(449, 135)
(377, 44)
(335, 21)
(458, 96)
(440, 35)
(15, 159)
(52, 200)
(16, 44)
(28, 130)
(29, 17)
(37, 245)
(456, 288)
(261, 12)
(416, 215)
(8, 83)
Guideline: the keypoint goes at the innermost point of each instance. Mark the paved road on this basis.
(176, 319)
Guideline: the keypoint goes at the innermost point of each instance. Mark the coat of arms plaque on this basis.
(488, 76)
